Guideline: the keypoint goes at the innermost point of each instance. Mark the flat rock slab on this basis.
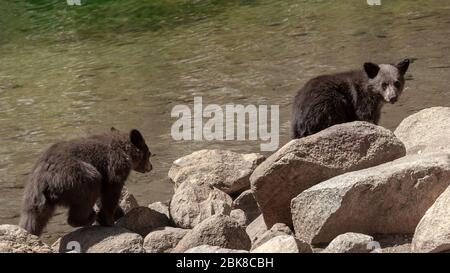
(433, 232)
(225, 170)
(426, 131)
(386, 199)
(305, 162)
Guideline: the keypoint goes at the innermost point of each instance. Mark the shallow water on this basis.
(71, 71)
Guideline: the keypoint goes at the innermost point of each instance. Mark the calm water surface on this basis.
(71, 71)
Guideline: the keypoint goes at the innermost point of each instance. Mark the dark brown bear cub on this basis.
(344, 97)
(77, 173)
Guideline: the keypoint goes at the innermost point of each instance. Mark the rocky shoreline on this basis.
(354, 187)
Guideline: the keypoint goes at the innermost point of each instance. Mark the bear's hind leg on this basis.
(109, 205)
(81, 215)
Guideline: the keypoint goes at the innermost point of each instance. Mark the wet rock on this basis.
(14, 239)
(426, 131)
(163, 240)
(225, 170)
(386, 199)
(305, 162)
(218, 230)
(191, 204)
(98, 239)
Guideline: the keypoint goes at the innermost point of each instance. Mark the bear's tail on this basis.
(36, 210)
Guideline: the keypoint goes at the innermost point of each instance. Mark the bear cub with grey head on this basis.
(78, 173)
(344, 97)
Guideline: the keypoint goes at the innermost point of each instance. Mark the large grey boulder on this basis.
(302, 163)
(246, 201)
(433, 232)
(225, 170)
(386, 199)
(351, 242)
(142, 220)
(218, 230)
(14, 239)
(98, 239)
(192, 203)
(426, 131)
(283, 244)
(163, 240)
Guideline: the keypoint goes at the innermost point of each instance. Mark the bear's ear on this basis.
(371, 70)
(137, 139)
(403, 66)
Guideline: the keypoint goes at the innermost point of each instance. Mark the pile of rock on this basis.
(353, 187)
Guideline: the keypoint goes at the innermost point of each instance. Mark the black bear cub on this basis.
(77, 173)
(344, 97)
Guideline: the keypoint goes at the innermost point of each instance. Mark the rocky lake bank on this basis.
(354, 187)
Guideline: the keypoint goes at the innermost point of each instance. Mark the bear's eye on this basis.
(397, 84)
(385, 85)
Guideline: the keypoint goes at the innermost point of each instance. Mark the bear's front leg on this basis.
(109, 203)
